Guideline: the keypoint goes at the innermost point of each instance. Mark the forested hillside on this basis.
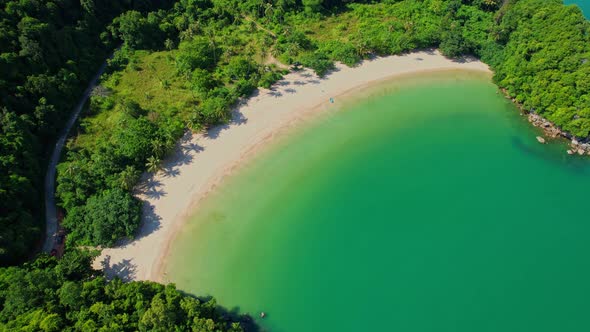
(48, 51)
(545, 61)
(68, 295)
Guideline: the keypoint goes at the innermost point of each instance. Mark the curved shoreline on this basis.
(202, 161)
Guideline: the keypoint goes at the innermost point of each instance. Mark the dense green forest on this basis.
(68, 295)
(185, 64)
(48, 51)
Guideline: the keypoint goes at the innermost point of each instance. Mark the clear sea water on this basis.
(426, 205)
(583, 4)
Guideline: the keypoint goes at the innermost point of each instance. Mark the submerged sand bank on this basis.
(202, 160)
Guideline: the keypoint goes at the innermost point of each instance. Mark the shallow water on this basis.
(426, 206)
(584, 4)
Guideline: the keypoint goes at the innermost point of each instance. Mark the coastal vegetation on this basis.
(49, 50)
(68, 295)
(185, 64)
(165, 77)
(545, 62)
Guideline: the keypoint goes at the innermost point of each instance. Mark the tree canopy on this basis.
(49, 50)
(68, 295)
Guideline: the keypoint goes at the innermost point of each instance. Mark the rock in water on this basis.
(262, 314)
(541, 139)
(570, 152)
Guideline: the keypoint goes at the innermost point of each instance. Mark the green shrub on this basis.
(318, 61)
(269, 78)
(106, 217)
(343, 52)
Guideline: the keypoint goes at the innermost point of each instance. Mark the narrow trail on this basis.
(51, 226)
(270, 58)
(259, 27)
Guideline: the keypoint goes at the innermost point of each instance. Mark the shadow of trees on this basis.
(170, 172)
(151, 188)
(464, 59)
(231, 315)
(275, 94)
(124, 270)
(237, 118)
(151, 220)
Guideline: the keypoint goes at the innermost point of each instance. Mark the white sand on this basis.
(202, 160)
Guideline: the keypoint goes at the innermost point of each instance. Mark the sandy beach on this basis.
(202, 160)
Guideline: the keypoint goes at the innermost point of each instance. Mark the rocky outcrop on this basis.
(550, 130)
(580, 148)
(553, 131)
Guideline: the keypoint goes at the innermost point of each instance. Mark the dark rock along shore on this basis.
(552, 131)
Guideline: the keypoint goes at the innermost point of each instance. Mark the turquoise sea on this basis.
(425, 205)
(584, 4)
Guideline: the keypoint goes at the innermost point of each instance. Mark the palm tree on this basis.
(280, 11)
(491, 3)
(275, 51)
(259, 9)
(194, 122)
(362, 48)
(169, 44)
(128, 177)
(71, 169)
(153, 164)
(268, 11)
(169, 142)
(158, 147)
(211, 35)
(293, 48)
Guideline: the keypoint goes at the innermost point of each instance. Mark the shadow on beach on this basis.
(124, 270)
(151, 221)
(279, 89)
(152, 189)
(185, 151)
(237, 119)
(464, 59)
